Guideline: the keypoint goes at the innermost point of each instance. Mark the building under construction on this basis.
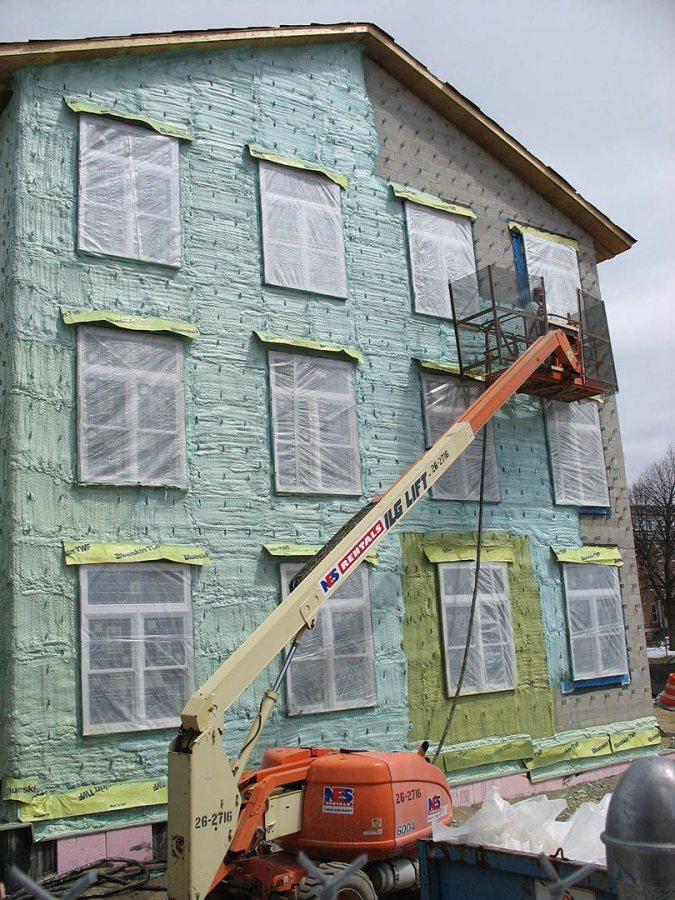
(245, 280)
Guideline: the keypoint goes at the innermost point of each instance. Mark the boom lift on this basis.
(331, 804)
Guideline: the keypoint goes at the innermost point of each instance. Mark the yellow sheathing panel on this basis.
(447, 369)
(631, 740)
(294, 163)
(545, 235)
(291, 343)
(35, 806)
(525, 710)
(468, 756)
(406, 193)
(304, 551)
(548, 754)
(82, 553)
(134, 118)
(133, 323)
(598, 556)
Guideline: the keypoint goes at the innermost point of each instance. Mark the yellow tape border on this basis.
(163, 128)
(82, 553)
(294, 163)
(589, 555)
(424, 199)
(129, 322)
(291, 343)
(35, 806)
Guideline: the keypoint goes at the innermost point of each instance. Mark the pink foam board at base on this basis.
(71, 853)
(129, 843)
(516, 786)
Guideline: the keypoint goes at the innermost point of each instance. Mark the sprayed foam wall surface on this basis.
(306, 102)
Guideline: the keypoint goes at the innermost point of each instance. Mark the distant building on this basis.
(224, 326)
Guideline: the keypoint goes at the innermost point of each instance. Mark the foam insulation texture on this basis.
(8, 182)
(311, 103)
(305, 103)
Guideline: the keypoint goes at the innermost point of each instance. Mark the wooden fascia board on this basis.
(608, 238)
(42, 53)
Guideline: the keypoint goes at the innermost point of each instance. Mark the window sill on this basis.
(291, 492)
(320, 295)
(432, 496)
(573, 687)
(100, 254)
(436, 316)
(134, 484)
(329, 709)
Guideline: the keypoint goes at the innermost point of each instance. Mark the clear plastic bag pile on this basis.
(532, 826)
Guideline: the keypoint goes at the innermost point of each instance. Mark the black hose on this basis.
(474, 599)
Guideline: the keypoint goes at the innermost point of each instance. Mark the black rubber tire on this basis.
(357, 887)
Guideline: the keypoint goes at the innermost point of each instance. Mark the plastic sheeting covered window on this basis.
(577, 456)
(491, 665)
(131, 408)
(303, 244)
(441, 250)
(314, 425)
(558, 265)
(445, 399)
(595, 618)
(128, 203)
(333, 667)
(136, 633)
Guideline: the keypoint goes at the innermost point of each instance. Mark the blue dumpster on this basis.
(450, 871)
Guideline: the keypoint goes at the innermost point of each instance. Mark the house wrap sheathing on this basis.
(224, 328)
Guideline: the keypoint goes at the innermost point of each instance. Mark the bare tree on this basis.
(653, 511)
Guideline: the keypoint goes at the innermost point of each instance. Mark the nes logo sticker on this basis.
(434, 803)
(331, 578)
(436, 808)
(338, 800)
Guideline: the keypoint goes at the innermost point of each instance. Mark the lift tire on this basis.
(357, 887)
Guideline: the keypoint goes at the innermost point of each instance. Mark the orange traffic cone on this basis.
(666, 698)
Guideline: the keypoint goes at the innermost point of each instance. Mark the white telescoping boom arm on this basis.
(204, 797)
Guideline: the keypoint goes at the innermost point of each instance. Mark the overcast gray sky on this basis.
(587, 85)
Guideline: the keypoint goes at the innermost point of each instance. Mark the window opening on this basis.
(128, 202)
(334, 665)
(314, 425)
(491, 663)
(136, 633)
(595, 620)
(131, 408)
(303, 244)
(445, 399)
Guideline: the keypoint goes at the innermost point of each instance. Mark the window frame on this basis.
(132, 215)
(328, 616)
(137, 614)
(316, 479)
(129, 380)
(415, 251)
(598, 637)
(562, 469)
(528, 279)
(473, 453)
(485, 603)
(302, 252)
